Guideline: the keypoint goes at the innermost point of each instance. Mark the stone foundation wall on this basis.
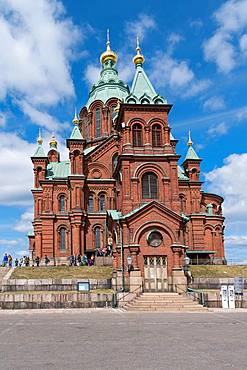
(57, 300)
(213, 283)
(12, 285)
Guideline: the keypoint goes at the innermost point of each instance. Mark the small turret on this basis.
(192, 162)
(75, 144)
(53, 154)
(40, 161)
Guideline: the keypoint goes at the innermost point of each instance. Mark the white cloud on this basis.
(218, 130)
(17, 169)
(214, 103)
(40, 118)
(197, 24)
(8, 242)
(3, 119)
(92, 74)
(243, 43)
(221, 48)
(236, 240)
(24, 224)
(37, 40)
(139, 27)
(168, 72)
(230, 182)
(22, 253)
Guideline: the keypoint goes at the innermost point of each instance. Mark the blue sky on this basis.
(195, 56)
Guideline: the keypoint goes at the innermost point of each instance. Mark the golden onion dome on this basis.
(53, 142)
(138, 58)
(190, 142)
(108, 54)
(40, 139)
(76, 119)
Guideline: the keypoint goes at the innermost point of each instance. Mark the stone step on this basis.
(170, 302)
(168, 309)
(163, 302)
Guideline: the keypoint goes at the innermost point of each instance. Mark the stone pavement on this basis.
(113, 339)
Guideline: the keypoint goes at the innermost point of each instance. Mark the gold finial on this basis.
(190, 142)
(138, 58)
(75, 119)
(40, 139)
(53, 142)
(116, 109)
(108, 54)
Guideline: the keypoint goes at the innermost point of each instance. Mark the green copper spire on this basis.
(109, 85)
(76, 133)
(39, 151)
(191, 154)
(142, 90)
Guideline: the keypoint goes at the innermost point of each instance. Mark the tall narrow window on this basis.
(114, 162)
(90, 203)
(137, 135)
(62, 233)
(113, 113)
(97, 237)
(156, 135)
(62, 203)
(149, 186)
(98, 122)
(102, 202)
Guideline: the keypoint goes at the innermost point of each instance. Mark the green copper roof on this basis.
(108, 86)
(114, 214)
(58, 170)
(89, 149)
(30, 233)
(142, 91)
(76, 133)
(191, 154)
(181, 174)
(39, 152)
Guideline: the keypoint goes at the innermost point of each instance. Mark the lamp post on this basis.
(186, 263)
(129, 262)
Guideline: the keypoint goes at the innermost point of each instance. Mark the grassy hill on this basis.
(218, 271)
(62, 272)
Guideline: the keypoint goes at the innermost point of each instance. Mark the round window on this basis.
(154, 239)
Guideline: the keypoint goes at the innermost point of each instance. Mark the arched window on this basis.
(98, 122)
(90, 203)
(62, 203)
(137, 135)
(62, 237)
(114, 162)
(149, 186)
(156, 135)
(102, 202)
(113, 113)
(97, 237)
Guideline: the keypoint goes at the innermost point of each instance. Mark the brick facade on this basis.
(103, 198)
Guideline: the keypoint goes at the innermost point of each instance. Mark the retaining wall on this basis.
(57, 300)
(19, 285)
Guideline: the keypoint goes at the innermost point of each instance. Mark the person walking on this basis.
(10, 260)
(16, 262)
(5, 260)
(37, 261)
(47, 261)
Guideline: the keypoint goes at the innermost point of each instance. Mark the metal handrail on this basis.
(190, 290)
(127, 293)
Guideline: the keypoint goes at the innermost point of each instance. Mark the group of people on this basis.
(104, 252)
(73, 260)
(81, 260)
(7, 260)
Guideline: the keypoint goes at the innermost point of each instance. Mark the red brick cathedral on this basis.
(122, 186)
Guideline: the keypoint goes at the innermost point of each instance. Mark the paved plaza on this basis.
(112, 339)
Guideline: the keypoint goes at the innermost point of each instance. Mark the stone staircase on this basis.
(163, 302)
